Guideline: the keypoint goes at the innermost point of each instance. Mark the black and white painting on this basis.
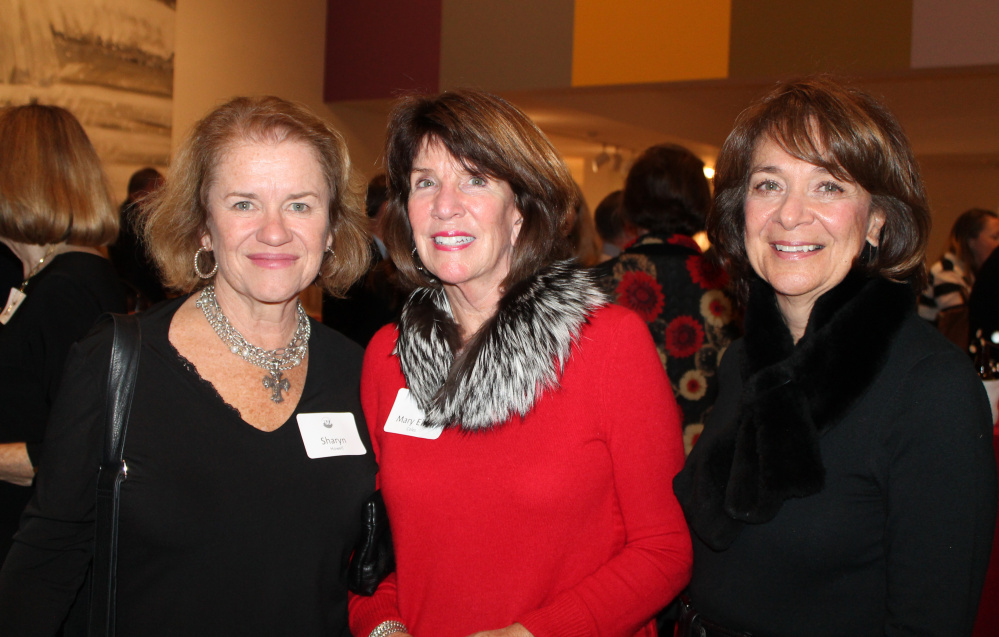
(110, 62)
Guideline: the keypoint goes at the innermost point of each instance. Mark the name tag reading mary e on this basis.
(406, 418)
(330, 434)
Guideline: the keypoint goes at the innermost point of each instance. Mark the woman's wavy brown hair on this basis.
(852, 135)
(52, 187)
(666, 191)
(175, 217)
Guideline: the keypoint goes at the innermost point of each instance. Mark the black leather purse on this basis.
(374, 557)
(120, 387)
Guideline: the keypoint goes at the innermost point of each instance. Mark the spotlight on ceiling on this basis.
(617, 160)
(600, 160)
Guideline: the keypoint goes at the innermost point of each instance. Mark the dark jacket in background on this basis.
(134, 266)
(983, 305)
(11, 271)
(372, 302)
(63, 301)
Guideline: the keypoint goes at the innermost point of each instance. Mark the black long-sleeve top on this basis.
(63, 301)
(897, 540)
(224, 529)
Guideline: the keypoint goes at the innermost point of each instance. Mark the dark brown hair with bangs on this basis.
(493, 138)
(52, 187)
(666, 191)
(852, 135)
(175, 217)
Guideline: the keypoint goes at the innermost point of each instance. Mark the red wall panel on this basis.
(379, 48)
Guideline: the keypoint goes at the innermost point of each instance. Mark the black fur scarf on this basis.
(514, 357)
(791, 395)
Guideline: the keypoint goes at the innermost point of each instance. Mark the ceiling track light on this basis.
(600, 160)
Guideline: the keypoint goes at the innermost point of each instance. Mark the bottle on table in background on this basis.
(985, 350)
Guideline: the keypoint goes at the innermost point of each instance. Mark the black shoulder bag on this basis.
(120, 387)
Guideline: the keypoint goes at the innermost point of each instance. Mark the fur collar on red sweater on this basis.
(514, 357)
(792, 393)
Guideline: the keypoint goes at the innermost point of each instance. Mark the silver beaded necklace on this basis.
(275, 361)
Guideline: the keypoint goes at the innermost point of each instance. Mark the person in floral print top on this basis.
(666, 279)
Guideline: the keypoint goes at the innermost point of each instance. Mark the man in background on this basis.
(128, 255)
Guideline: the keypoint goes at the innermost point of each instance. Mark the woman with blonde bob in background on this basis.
(527, 488)
(55, 215)
(236, 515)
(845, 483)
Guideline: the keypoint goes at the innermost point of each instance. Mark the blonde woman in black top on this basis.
(56, 215)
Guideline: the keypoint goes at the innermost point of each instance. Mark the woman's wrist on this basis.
(386, 628)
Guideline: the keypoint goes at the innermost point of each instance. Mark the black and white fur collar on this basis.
(515, 356)
(791, 394)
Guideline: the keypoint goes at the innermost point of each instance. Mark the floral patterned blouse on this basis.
(667, 281)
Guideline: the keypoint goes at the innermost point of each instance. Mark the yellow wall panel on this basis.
(640, 41)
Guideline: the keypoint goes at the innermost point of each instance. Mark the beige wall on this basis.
(226, 48)
(954, 187)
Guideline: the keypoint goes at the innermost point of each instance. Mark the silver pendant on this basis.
(275, 382)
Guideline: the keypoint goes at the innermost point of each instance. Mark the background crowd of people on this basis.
(728, 406)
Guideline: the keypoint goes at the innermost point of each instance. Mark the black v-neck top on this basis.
(224, 529)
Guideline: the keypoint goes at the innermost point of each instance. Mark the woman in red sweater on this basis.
(525, 431)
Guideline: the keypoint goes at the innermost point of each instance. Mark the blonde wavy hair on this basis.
(52, 186)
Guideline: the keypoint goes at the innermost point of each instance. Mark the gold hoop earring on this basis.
(197, 269)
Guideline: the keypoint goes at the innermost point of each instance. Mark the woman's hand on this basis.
(15, 466)
(513, 630)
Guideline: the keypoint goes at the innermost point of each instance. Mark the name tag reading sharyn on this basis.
(406, 418)
(330, 434)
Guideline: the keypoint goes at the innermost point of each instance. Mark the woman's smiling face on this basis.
(804, 227)
(268, 221)
(464, 224)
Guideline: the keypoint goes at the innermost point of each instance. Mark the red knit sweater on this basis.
(564, 521)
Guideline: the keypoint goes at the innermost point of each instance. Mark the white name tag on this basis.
(330, 434)
(14, 301)
(406, 418)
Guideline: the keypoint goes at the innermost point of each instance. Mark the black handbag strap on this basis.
(120, 387)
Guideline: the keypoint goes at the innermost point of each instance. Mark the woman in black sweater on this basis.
(845, 483)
